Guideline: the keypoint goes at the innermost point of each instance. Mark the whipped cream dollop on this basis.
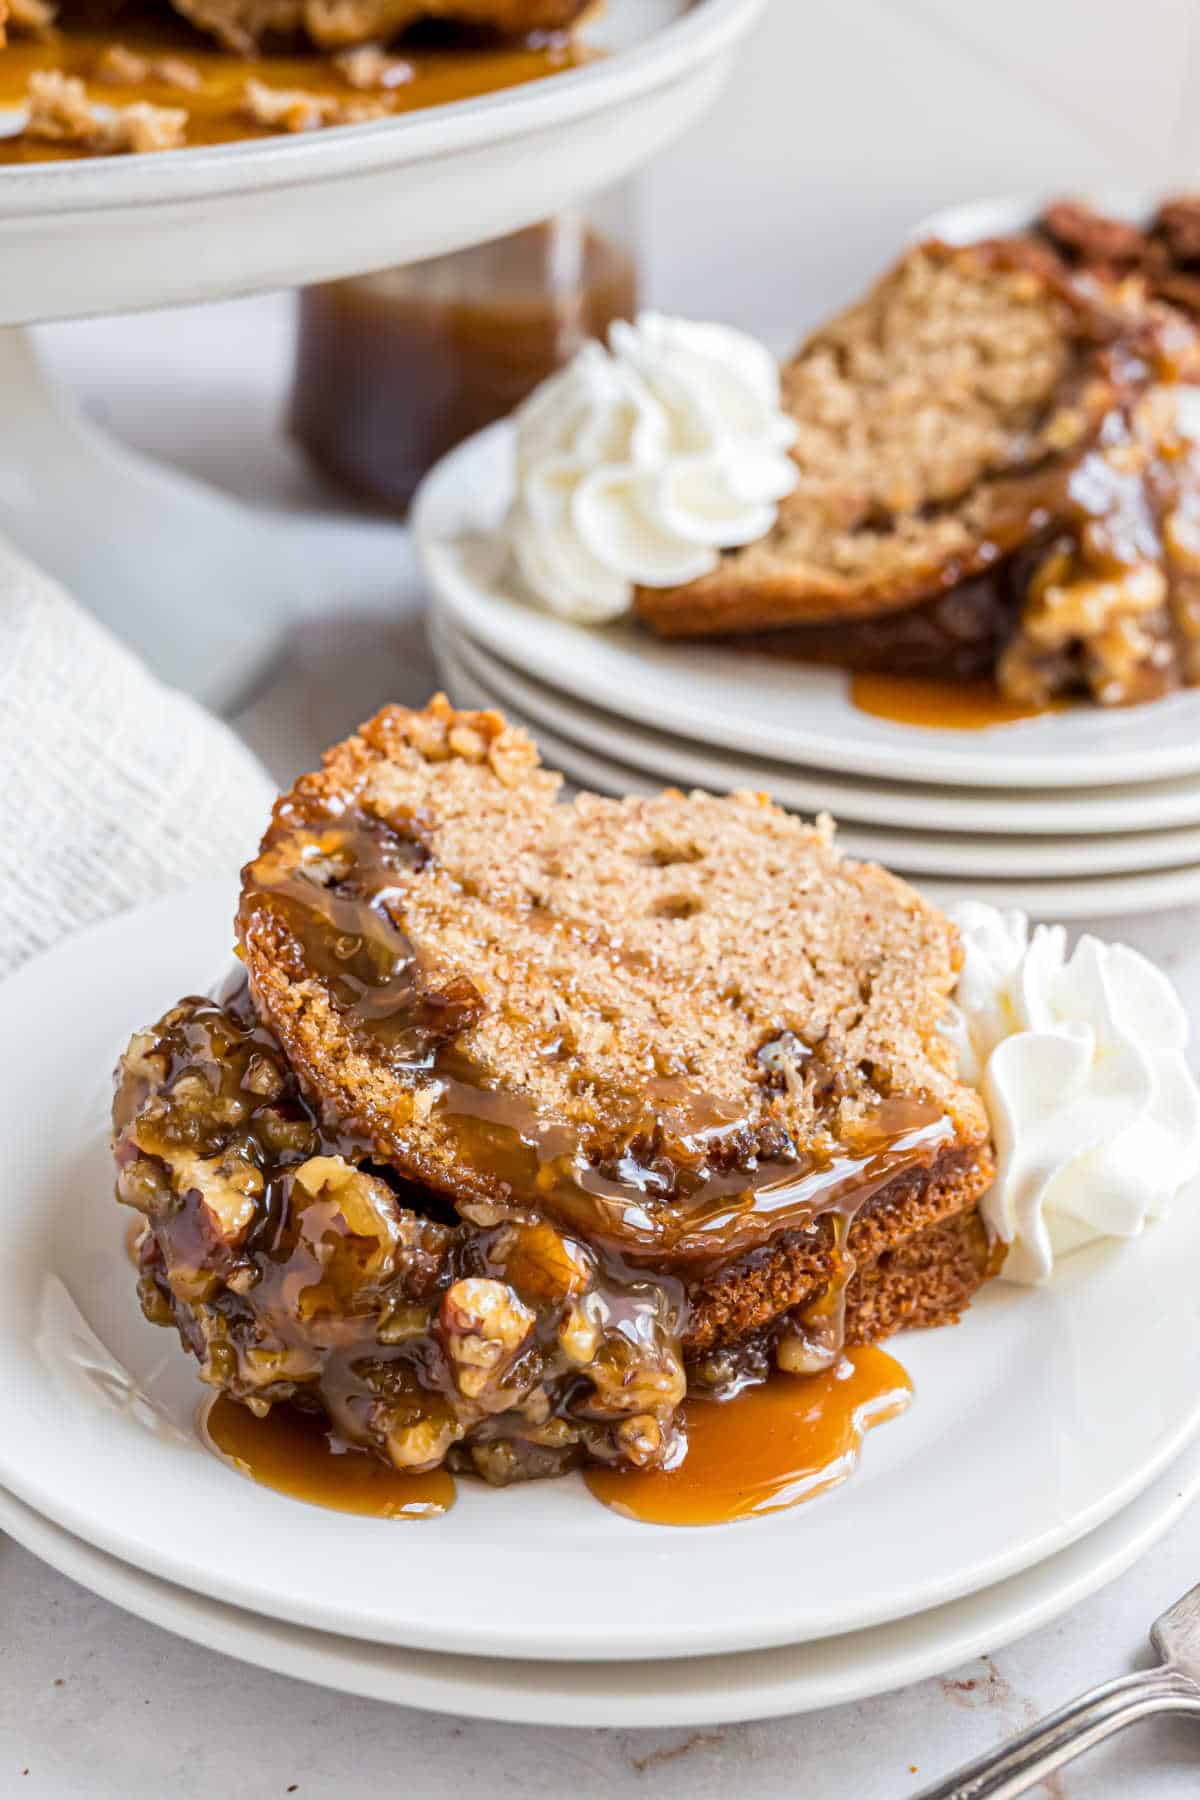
(1080, 1060)
(638, 464)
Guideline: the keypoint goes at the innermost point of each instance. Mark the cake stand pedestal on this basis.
(199, 585)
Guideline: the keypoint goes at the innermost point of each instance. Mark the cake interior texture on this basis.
(532, 1113)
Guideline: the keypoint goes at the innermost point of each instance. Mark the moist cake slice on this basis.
(997, 473)
(919, 410)
(536, 1110)
(683, 1026)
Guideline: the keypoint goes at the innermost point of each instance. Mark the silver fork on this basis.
(1023, 1761)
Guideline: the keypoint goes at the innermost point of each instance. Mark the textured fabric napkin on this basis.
(113, 788)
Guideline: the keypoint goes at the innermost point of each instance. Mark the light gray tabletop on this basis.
(96, 1705)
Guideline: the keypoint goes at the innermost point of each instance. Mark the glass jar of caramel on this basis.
(392, 370)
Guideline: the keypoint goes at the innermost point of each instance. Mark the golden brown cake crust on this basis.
(924, 1226)
(621, 1011)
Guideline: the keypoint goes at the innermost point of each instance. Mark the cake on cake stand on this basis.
(199, 585)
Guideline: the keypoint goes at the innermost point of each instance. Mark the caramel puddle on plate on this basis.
(938, 705)
(294, 1453)
(771, 1448)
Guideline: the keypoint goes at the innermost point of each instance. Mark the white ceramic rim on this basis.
(1148, 807)
(968, 851)
(997, 215)
(703, 32)
(1058, 899)
(690, 1692)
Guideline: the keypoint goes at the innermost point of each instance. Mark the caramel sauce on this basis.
(770, 1448)
(722, 1213)
(296, 1454)
(335, 1289)
(135, 1231)
(938, 705)
(681, 1180)
(393, 370)
(442, 72)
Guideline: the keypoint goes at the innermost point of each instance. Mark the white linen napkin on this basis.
(113, 788)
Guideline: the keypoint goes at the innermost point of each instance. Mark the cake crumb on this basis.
(671, 1752)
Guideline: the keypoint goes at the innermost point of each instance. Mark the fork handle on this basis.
(1023, 1761)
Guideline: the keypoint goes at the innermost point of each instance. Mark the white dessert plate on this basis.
(1101, 897)
(1044, 1415)
(1081, 897)
(114, 233)
(698, 1690)
(934, 849)
(756, 705)
(999, 215)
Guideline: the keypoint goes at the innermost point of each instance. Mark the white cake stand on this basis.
(200, 585)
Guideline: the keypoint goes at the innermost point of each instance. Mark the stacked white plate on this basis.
(1044, 1451)
(1072, 814)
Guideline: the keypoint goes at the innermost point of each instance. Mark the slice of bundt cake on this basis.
(682, 1026)
(919, 410)
(533, 1114)
(1001, 447)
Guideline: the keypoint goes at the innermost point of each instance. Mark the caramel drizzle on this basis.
(728, 1213)
(679, 1204)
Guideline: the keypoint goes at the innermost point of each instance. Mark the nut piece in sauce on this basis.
(421, 1443)
(363, 1203)
(541, 1263)
(495, 1343)
(484, 1323)
(581, 1332)
(229, 1188)
(799, 1353)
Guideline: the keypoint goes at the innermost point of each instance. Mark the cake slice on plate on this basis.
(997, 473)
(587, 1093)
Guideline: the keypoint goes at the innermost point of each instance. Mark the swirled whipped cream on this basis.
(1080, 1060)
(637, 464)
